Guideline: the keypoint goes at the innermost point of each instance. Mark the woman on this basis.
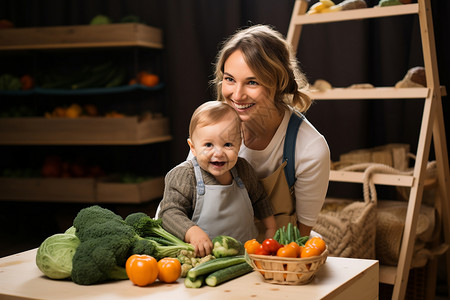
(257, 74)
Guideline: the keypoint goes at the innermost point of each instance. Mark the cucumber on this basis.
(194, 284)
(98, 77)
(228, 273)
(214, 265)
(118, 79)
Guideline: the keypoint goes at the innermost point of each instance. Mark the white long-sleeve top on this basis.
(312, 166)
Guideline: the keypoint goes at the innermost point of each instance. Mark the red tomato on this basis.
(271, 246)
(261, 251)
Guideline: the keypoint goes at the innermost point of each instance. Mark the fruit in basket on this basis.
(251, 246)
(313, 247)
(316, 242)
(271, 246)
(287, 251)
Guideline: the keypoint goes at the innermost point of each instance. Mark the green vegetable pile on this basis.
(228, 263)
(99, 75)
(288, 234)
(10, 82)
(96, 248)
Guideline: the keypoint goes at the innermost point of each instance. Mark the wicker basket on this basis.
(284, 270)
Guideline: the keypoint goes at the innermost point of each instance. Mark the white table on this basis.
(339, 278)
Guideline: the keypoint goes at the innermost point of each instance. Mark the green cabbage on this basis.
(54, 256)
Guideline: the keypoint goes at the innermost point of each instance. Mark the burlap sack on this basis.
(390, 225)
(348, 227)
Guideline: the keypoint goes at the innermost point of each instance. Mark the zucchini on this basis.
(214, 265)
(194, 284)
(228, 273)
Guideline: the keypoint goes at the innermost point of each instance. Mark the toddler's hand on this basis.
(200, 240)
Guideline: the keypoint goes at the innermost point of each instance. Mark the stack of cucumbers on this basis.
(102, 75)
(217, 271)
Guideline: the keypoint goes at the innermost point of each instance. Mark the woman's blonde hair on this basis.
(271, 58)
(212, 112)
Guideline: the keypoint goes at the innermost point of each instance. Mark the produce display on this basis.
(102, 246)
(287, 242)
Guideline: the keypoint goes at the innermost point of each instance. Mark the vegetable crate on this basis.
(285, 270)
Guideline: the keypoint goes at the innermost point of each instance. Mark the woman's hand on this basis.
(200, 240)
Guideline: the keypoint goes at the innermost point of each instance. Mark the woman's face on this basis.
(243, 91)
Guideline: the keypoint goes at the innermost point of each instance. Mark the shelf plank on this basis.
(370, 93)
(388, 274)
(384, 179)
(357, 14)
(145, 141)
(81, 36)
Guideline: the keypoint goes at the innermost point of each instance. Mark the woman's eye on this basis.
(229, 79)
(251, 82)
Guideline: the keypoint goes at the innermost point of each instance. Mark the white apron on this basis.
(224, 209)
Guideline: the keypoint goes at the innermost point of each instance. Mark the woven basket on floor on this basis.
(285, 270)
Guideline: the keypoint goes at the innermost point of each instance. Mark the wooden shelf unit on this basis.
(32, 131)
(432, 129)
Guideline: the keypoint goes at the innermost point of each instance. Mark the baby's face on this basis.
(216, 146)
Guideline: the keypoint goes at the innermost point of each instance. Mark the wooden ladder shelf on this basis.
(432, 129)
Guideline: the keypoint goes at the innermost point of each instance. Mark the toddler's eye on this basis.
(208, 145)
(228, 145)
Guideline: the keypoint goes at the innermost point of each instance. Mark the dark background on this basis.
(376, 51)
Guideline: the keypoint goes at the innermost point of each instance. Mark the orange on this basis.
(251, 246)
(296, 247)
(309, 251)
(169, 269)
(287, 251)
(317, 242)
(27, 82)
(142, 270)
(148, 79)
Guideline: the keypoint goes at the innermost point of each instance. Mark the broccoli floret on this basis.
(224, 246)
(101, 259)
(93, 215)
(146, 227)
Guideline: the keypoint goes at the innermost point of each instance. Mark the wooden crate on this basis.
(48, 189)
(109, 191)
(81, 36)
(81, 130)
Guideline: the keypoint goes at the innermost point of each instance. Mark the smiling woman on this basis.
(258, 75)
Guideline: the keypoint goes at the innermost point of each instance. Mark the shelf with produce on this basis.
(373, 93)
(83, 131)
(356, 14)
(81, 36)
(87, 91)
(81, 190)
